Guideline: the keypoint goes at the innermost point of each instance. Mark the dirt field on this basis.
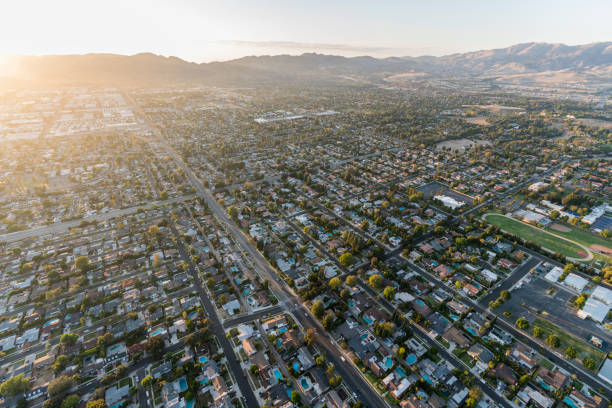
(461, 144)
(601, 248)
(478, 120)
(596, 123)
(560, 228)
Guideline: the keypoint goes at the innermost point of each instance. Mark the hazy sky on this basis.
(218, 30)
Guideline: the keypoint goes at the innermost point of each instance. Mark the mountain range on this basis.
(587, 62)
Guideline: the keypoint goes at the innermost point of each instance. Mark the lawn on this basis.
(581, 236)
(536, 235)
(583, 349)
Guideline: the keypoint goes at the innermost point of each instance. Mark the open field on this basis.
(537, 235)
(461, 144)
(583, 349)
(583, 237)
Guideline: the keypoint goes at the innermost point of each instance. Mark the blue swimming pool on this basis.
(400, 371)
(296, 366)
(426, 378)
(569, 402)
(282, 330)
(203, 359)
(472, 331)
(238, 281)
(388, 362)
(246, 292)
(189, 404)
(204, 381)
(289, 392)
(305, 384)
(455, 318)
(444, 319)
(367, 320)
(411, 359)
(182, 384)
(278, 374)
(420, 302)
(351, 304)
(157, 331)
(278, 342)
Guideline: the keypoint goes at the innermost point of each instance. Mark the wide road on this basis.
(63, 226)
(216, 327)
(291, 303)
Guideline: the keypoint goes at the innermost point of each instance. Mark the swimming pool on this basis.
(411, 359)
(203, 359)
(388, 362)
(472, 331)
(246, 292)
(238, 281)
(278, 342)
(455, 318)
(569, 402)
(182, 384)
(157, 331)
(278, 374)
(204, 380)
(296, 366)
(420, 302)
(351, 304)
(444, 319)
(400, 371)
(305, 383)
(189, 404)
(282, 330)
(367, 320)
(426, 378)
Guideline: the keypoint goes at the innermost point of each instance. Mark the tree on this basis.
(570, 352)
(375, 281)
(320, 361)
(15, 386)
(310, 337)
(589, 363)
(552, 341)
(157, 260)
(59, 364)
(522, 323)
(389, 292)
(334, 283)
(99, 403)
(153, 231)
(147, 381)
(475, 393)
(69, 338)
(537, 332)
(232, 212)
(346, 259)
(155, 347)
(296, 398)
(505, 295)
(328, 321)
(401, 353)
(605, 233)
(350, 280)
(345, 293)
(71, 401)
(318, 309)
(59, 386)
(82, 263)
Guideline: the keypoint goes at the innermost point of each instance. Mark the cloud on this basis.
(330, 48)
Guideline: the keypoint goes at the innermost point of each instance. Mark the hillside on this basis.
(591, 60)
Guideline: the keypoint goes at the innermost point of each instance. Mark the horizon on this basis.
(297, 54)
(212, 31)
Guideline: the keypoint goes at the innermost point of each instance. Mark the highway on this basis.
(63, 226)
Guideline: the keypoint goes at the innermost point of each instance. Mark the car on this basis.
(343, 359)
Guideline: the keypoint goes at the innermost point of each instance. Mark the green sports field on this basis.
(536, 235)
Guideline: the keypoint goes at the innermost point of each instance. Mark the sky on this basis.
(203, 30)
